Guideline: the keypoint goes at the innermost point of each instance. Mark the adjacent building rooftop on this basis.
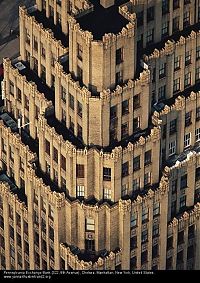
(101, 20)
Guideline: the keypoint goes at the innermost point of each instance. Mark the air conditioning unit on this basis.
(20, 66)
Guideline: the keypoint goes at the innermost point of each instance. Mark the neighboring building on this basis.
(100, 137)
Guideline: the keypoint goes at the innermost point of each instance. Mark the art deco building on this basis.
(100, 137)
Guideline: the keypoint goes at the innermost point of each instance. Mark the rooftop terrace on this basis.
(101, 21)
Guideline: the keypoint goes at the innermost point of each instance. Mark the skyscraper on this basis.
(100, 131)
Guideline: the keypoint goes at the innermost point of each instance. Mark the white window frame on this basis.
(172, 147)
(187, 140)
(90, 224)
(197, 134)
(80, 189)
(107, 193)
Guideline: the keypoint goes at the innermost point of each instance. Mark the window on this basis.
(11, 154)
(174, 186)
(187, 79)
(191, 232)
(136, 124)
(165, 7)
(71, 124)
(197, 74)
(71, 101)
(182, 202)
(144, 237)
(173, 208)
(186, 19)
(63, 93)
(187, 2)
(136, 184)
(106, 174)
(136, 163)
(63, 162)
(197, 175)
(79, 51)
(170, 243)
(119, 56)
(180, 237)
(147, 157)
(55, 154)
(1, 222)
(136, 101)
(197, 134)
(187, 140)
(188, 57)
(188, 119)
(176, 85)
(119, 77)
(140, 18)
(139, 41)
(27, 36)
(35, 43)
(162, 70)
(12, 251)
(175, 4)
(79, 132)
(11, 88)
(79, 109)
(63, 183)
(89, 224)
(155, 251)
(53, 81)
(125, 107)
(133, 263)
(43, 50)
(51, 212)
(150, 14)
(172, 148)
(144, 257)
(43, 73)
(177, 63)
(80, 171)
(175, 26)
(89, 245)
(80, 73)
(26, 102)
(107, 194)
(162, 92)
(156, 209)
(169, 263)
(125, 169)
(125, 130)
(133, 219)
(198, 52)
(48, 168)
(53, 60)
(183, 182)
(155, 232)
(198, 113)
(35, 65)
(190, 252)
(150, 36)
(165, 29)
(133, 242)
(172, 128)
(145, 214)
(124, 190)
(80, 191)
(25, 227)
(63, 116)
(147, 179)
(113, 112)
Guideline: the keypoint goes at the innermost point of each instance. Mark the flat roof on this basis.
(48, 23)
(31, 76)
(20, 192)
(101, 21)
(174, 37)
